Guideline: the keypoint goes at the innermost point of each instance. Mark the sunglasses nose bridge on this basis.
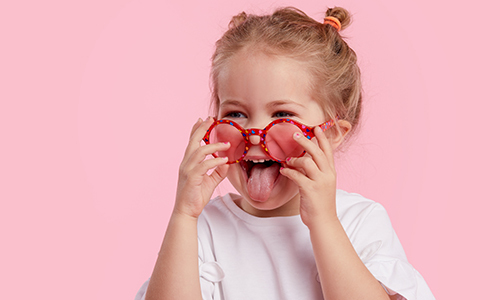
(254, 136)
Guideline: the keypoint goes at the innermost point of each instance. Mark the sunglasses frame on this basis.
(246, 133)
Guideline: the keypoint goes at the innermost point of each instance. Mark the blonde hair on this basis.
(336, 79)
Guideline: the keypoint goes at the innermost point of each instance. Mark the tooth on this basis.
(262, 160)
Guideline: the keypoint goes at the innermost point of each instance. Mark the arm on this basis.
(342, 273)
(176, 275)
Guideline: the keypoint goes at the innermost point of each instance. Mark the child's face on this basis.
(254, 90)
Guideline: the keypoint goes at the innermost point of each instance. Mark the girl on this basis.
(287, 94)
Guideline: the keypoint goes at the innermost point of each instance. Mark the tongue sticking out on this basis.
(261, 181)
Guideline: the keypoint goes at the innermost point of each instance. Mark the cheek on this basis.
(234, 176)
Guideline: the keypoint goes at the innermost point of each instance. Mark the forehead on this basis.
(256, 76)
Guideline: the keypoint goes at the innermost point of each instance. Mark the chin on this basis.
(268, 204)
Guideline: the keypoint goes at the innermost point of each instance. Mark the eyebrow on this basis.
(231, 102)
(276, 103)
(272, 104)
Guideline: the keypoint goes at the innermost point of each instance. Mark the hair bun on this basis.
(341, 14)
(238, 19)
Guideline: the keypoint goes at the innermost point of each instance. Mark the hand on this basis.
(195, 186)
(316, 178)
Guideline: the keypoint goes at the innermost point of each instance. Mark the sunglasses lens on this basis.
(223, 133)
(280, 143)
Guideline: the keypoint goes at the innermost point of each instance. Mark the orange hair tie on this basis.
(334, 22)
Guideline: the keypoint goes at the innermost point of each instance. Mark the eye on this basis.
(283, 114)
(234, 115)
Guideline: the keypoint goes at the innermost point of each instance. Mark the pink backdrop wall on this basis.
(97, 99)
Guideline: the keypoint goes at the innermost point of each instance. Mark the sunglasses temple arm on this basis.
(327, 125)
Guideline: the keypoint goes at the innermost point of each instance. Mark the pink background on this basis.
(98, 98)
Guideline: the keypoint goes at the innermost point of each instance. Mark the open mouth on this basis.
(261, 177)
(248, 165)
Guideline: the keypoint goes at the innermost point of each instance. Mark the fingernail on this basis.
(282, 168)
(207, 118)
(226, 143)
(199, 120)
(296, 135)
(288, 158)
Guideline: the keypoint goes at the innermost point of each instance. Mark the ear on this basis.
(340, 131)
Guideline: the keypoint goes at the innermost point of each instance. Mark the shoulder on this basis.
(219, 212)
(361, 215)
(217, 206)
(352, 205)
(214, 221)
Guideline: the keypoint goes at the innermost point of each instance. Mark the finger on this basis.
(197, 135)
(296, 176)
(195, 126)
(200, 154)
(209, 164)
(218, 174)
(309, 167)
(313, 150)
(199, 132)
(324, 144)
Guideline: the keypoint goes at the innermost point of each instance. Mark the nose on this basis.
(254, 139)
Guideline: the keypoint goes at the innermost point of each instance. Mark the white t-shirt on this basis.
(246, 257)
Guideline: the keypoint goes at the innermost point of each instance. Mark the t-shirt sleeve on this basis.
(210, 274)
(141, 294)
(379, 248)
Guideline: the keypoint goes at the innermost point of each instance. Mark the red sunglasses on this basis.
(276, 138)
